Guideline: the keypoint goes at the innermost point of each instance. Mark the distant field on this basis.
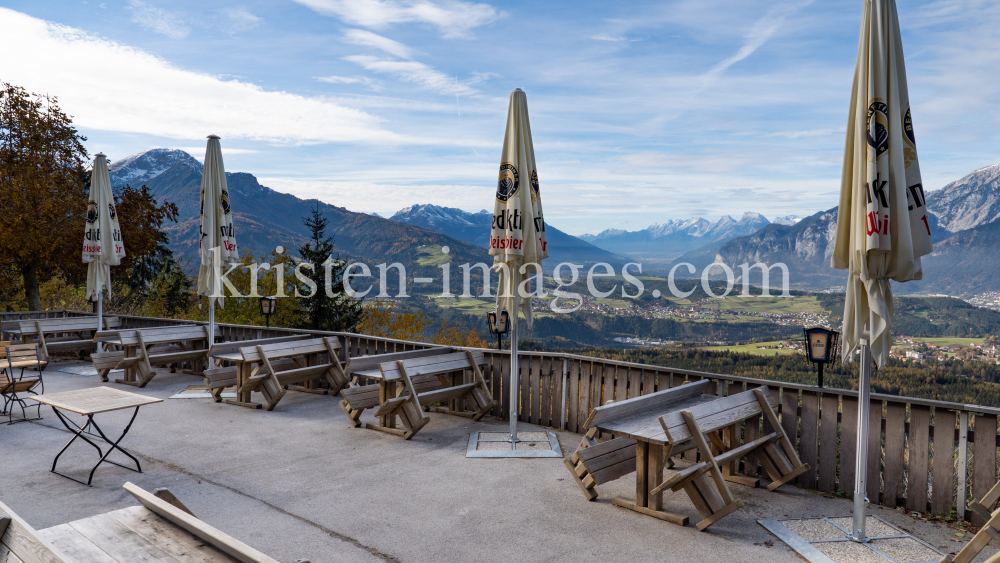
(774, 304)
(950, 341)
(755, 348)
(430, 255)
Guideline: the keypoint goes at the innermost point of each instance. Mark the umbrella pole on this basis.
(513, 381)
(100, 311)
(211, 319)
(861, 469)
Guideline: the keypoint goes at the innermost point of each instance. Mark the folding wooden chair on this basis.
(11, 388)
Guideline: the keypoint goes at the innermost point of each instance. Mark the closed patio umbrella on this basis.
(102, 238)
(217, 247)
(882, 223)
(517, 235)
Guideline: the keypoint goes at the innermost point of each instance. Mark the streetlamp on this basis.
(821, 347)
(268, 306)
(501, 329)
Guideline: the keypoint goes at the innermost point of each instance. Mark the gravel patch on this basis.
(849, 552)
(906, 550)
(814, 529)
(873, 526)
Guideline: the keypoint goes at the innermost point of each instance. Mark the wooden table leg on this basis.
(649, 475)
(244, 399)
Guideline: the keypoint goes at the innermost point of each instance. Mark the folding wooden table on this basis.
(89, 402)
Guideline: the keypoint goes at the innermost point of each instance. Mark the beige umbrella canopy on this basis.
(517, 236)
(217, 247)
(102, 238)
(882, 225)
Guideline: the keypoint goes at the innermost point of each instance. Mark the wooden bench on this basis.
(271, 381)
(695, 425)
(138, 356)
(357, 399)
(20, 543)
(44, 332)
(424, 381)
(219, 377)
(109, 351)
(162, 529)
(988, 533)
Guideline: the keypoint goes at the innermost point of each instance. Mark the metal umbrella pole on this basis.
(861, 468)
(513, 381)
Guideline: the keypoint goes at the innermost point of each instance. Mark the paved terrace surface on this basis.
(298, 482)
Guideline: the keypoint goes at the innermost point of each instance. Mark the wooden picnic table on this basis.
(230, 352)
(90, 402)
(644, 427)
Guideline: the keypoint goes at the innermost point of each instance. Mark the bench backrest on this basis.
(23, 541)
(658, 400)
(289, 349)
(364, 363)
(166, 334)
(717, 414)
(429, 365)
(70, 324)
(235, 346)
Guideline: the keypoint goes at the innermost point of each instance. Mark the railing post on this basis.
(963, 453)
(565, 394)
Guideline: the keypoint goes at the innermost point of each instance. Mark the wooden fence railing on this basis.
(925, 455)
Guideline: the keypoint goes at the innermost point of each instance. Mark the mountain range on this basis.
(965, 227)
(475, 228)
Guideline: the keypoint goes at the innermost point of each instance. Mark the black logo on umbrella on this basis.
(224, 200)
(534, 181)
(91, 212)
(878, 127)
(111, 211)
(908, 127)
(508, 182)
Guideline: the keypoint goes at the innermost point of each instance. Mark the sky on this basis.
(641, 112)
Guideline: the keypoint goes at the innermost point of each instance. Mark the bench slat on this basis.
(716, 414)
(288, 349)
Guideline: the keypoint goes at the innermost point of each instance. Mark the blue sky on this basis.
(641, 111)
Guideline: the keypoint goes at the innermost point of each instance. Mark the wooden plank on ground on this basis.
(917, 446)
(828, 443)
(893, 465)
(73, 545)
(809, 439)
(984, 461)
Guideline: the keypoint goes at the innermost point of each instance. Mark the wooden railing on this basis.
(925, 455)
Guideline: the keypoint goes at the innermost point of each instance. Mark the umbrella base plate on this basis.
(828, 540)
(529, 445)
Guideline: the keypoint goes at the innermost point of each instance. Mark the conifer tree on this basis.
(336, 310)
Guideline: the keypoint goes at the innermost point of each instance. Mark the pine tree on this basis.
(339, 312)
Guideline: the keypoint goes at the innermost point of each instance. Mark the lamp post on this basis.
(821, 346)
(499, 329)
(268, 306)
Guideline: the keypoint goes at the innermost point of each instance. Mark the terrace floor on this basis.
(298, 482)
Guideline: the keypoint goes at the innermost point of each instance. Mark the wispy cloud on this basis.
(417, 73)
(173, 102)
(364, 80)
(453, 18)
(240, 19)
(367, 38)
(606, 37)
(158, 21)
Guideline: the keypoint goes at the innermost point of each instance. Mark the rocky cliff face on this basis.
(969, 202)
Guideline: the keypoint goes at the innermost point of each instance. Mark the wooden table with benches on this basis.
(650, 429)
(219, 377)
(406, 385)
(175, 344)
(291, 364)
(61, 335)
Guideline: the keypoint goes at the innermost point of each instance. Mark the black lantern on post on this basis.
(500, 328)
(821, 347)
(268, 306)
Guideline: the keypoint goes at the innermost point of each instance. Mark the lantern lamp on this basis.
(499, 328)
(268, 307)
(821, 347)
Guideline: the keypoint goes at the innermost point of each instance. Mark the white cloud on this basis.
(241, 19)
(158, 21)
(417, 73)
(606, 37)
(367, 38)
(168, 101)
(199, 152)
(453, 18)
(371, 84)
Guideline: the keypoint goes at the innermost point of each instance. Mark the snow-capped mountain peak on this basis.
(144, 166)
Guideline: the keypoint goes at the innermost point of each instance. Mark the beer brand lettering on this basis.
(224, 200)
(91, 249)
(111, 211)
(91, 212)
(507, 243)
(877, 190)
(915, 195)
(878, 127)
(534, 181)
(908, 127)
(508, 221)
(93, 235)
(877, 225)
(508, 181)
(539, 224)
